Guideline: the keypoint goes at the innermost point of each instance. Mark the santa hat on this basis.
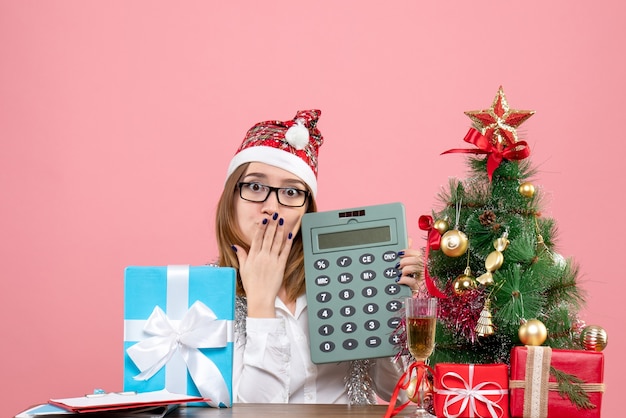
(292, 145)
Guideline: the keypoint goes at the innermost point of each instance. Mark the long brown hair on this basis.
(228, 233)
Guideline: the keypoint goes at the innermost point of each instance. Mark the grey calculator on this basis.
(354, 302)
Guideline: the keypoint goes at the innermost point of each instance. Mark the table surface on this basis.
(283, 410)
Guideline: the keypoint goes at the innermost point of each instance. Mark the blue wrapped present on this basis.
(178, 331)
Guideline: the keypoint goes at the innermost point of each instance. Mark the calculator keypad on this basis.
(349, 296)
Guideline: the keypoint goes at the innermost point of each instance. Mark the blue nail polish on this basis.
(290, 236)
(281, 221)
(400, 253)
(398, 265)
(275, 216)
(264, 221)
(234, 248)
(397, 279)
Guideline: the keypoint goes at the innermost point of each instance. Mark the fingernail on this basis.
(397, 279)
(281, 221)
(264, 221)
(398, 265)
(234, 248)
(400, 253)
(290, 236)
(275, 216)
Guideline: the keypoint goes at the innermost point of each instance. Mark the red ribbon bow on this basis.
(496, 153)
(403, 384)
(426, 223)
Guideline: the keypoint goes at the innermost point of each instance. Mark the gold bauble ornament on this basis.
(454, 243)
(533, 332)
(441, 225)
(413, 394)
(527, 189)
(594, 338)
(464, 282)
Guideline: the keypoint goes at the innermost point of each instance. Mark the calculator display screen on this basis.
(375, 235)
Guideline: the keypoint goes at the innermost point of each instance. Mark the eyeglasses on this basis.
(287, 196)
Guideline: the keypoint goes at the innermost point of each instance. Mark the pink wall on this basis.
(118, 118)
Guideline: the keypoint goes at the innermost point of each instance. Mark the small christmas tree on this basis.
(491, 254)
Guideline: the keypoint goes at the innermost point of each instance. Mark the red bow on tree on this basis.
(495, 152)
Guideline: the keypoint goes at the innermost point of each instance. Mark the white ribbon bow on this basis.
(470, 394)
(199, 328)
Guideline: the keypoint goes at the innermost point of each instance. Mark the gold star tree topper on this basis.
(499, 122)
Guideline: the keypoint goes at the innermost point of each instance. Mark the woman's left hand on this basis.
(411, 267)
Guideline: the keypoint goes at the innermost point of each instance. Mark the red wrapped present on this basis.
(471, 390)
(535, 388)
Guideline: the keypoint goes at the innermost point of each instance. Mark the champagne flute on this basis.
(421, 323)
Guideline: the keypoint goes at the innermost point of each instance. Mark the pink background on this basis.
(118, 119)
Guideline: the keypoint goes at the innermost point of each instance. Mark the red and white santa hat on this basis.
(292, 145)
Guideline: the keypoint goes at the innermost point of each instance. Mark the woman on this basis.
(271, 183)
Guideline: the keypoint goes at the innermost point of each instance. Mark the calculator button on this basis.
(394, 306)
(394, 339)
(344, 278)
(368, 275)
(326, 329)
(369, 292)
(348, 310)
(367, 259)
(348, 327)
(321, 264)
(390, 256)
(346, 294)
(372, 325)
(370, 308)
(373, 342)
(350, 344)
(393, 322)
(324, 313)
(323, 297)
(327, 346)
(322, 280)
(392, 289)
(344, 261)
(391, 273)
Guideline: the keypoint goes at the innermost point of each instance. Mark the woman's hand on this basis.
(262, 268)
(411, 268)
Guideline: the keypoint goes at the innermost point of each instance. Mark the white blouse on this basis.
(273, 364)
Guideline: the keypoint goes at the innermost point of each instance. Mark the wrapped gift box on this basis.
(471, 390)
(534, 391)
(178, 330)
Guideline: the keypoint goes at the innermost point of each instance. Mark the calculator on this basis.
(354, 302)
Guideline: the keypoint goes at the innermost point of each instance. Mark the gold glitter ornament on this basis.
(464, 282)
(484, 326)
(594, 338)
(532, 332)
(441, 225)
(527, 189)
(454, 243)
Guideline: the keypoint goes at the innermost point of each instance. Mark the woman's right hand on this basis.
(262, 268)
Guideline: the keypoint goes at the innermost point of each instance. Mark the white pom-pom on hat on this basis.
(297, 135)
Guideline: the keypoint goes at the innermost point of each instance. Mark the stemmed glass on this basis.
(421, 323)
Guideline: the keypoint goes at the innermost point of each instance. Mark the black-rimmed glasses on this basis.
(287, 196)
